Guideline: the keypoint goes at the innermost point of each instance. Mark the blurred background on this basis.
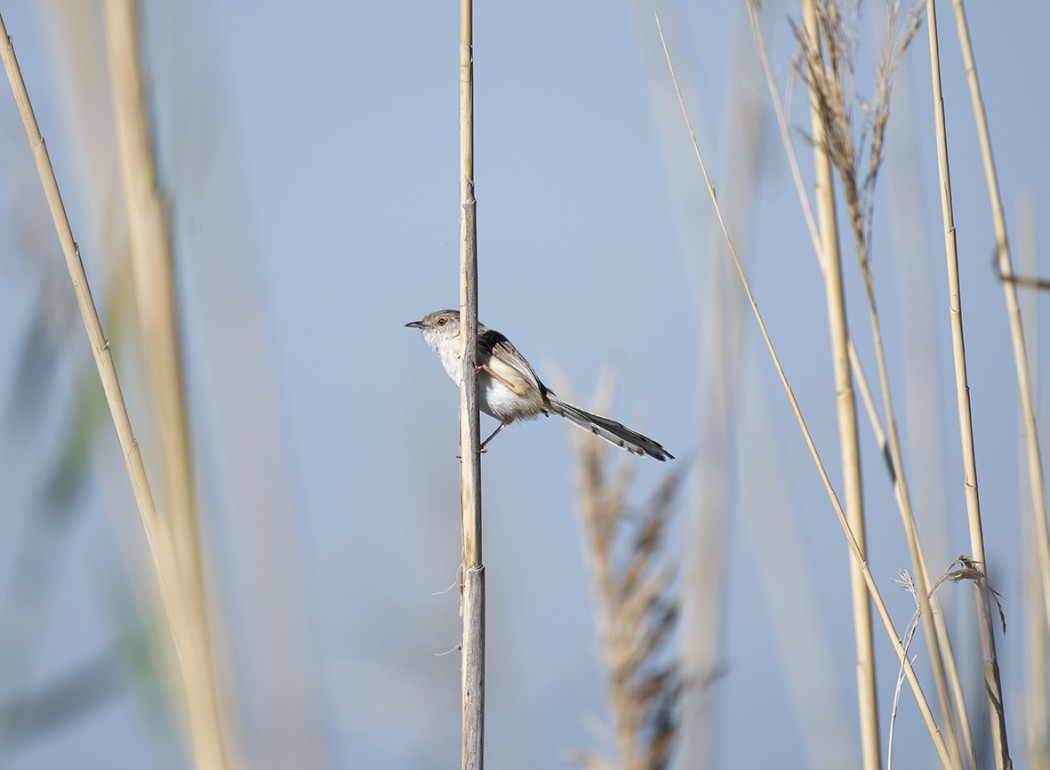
(308, 158)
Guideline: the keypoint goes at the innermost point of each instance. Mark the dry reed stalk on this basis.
(472, 571)
(849, 443)
(942, 656)
(1024, 384)
(206, 739)
(855, 553)
(993, 687)
(635, 610)
(153, 271)
(831, 110)
(931, 606)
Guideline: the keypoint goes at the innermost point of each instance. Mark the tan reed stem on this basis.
(1030, 429)
(993, 688)
(942, 656)
(849, 444)
(473, 571)
(880, 605)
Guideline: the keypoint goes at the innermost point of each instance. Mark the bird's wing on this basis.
(508, 365)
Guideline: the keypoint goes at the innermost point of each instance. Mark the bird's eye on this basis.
(442, 321)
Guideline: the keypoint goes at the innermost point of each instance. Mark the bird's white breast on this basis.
(497, 400)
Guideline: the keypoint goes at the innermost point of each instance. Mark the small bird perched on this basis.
(508, 388)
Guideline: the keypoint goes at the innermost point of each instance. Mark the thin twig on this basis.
(906, 582)
(1042, 284)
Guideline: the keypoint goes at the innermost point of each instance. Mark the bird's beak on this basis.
(414, 325)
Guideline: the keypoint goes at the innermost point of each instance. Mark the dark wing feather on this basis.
(493, 345)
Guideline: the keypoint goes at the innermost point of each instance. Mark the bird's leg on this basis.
(481, 449)
(488, 370)
(484, 443)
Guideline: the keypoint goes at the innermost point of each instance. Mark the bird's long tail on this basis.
(610, 430)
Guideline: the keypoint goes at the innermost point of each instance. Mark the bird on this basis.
(509, 390)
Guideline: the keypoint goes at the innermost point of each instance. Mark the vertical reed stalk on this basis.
(473, 571)
(854, 549)
(847, 417)
(993, 688)
(942, 657)
(152, 267)
(1024, 382)
(206, 739)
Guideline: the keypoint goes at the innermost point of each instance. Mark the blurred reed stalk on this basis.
(156, 305)
(895, 639)
(1030, 428)
(1037, 710)
(992, 685)
(199, 705)
(720, 337)
(849, 443)
(153, 273)
(635, 609)
(472, 574)
(720, 344)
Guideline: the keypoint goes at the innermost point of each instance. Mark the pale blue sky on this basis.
(311, 152)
